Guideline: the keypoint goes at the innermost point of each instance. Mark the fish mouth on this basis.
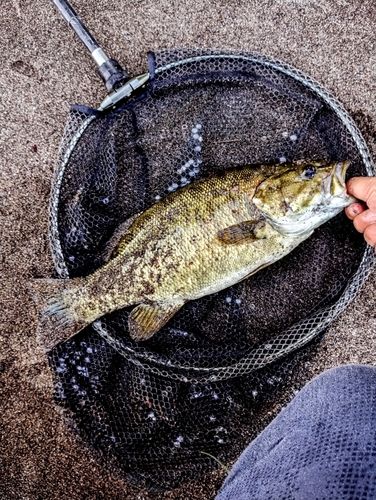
(340, 172)
(334, 185)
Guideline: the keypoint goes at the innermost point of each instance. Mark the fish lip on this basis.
(339, 171)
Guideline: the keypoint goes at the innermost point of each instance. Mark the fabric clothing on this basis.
(321, 446)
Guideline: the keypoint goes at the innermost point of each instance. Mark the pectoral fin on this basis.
(145, 320)
(244, 232)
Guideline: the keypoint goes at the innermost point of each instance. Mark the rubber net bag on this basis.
(159, 410)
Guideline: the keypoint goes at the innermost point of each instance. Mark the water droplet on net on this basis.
(282, 159)
(83, 371)
(196, 395)
(183, 333)
(178, 441)
(61, 394)
(293, 137)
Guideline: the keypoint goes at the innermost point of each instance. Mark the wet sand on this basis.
(45, 69)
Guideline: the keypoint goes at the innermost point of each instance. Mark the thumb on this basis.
(363, 188)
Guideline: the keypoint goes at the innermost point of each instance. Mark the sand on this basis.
(44, 70)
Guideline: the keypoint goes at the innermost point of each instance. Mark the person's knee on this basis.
(345, 378)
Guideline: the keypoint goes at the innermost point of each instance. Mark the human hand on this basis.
(363, 215)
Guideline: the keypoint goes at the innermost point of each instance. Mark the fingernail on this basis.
(354, 210)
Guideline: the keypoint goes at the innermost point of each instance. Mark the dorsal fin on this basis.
(119, 239)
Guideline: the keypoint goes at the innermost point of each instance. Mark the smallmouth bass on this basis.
(201, 239)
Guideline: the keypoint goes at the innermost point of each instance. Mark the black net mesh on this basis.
(156, 406)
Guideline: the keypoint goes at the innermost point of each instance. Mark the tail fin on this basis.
(57, 321)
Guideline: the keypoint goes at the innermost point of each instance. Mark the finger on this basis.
(363, 220)
(354, 209)
(370, 235)
(363, 188)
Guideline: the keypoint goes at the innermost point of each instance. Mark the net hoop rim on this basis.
(243, 366)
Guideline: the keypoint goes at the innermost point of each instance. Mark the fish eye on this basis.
(310, 172)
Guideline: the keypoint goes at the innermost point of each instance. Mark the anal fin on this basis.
(146, 319)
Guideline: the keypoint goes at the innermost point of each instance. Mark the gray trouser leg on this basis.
(321, 446)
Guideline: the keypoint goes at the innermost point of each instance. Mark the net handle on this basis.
(110, 70)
